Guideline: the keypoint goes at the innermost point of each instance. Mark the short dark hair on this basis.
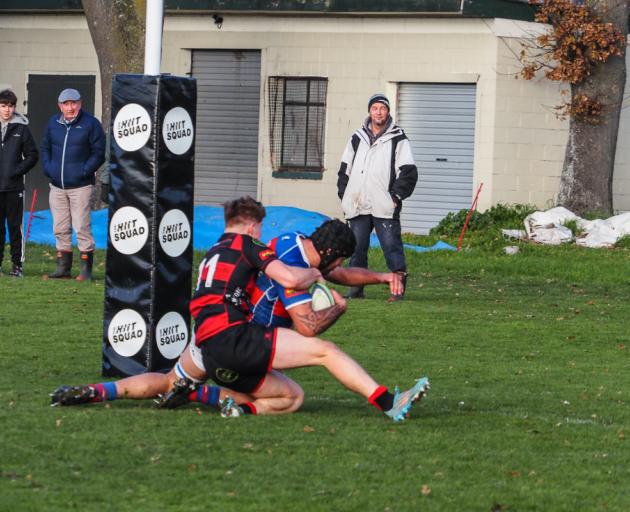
(8, 96)
(333, 239)
(243, 209)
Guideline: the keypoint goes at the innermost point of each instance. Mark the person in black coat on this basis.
(18, 155)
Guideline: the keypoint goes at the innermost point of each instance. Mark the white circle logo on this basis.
(171, 335)
(127, 332)
(174, 233)
(128, 230)
(132, 127)
(178, 130)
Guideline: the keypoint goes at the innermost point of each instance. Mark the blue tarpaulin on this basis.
(208, 226)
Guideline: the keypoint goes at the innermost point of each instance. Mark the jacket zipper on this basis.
(63, 156)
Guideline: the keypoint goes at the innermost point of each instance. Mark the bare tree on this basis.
(117, 28)
(585, 47)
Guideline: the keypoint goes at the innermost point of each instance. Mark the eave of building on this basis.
(510, 9)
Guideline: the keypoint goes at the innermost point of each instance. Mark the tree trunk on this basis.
(587, 173)
(117, 28)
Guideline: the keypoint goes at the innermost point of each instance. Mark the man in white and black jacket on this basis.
(18, 155)
(377, 173)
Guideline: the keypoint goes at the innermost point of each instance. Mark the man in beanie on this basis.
(18, 155)
(73, 148)
(377, 173)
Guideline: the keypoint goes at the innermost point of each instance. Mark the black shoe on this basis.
(177, 396)
(87, 260)
(355, 292)
(16, 271)
(64, 265)
(72, 395)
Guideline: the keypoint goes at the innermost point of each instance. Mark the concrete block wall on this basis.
(621, 178)
(46, 44)
(519, 143)
(359, 57)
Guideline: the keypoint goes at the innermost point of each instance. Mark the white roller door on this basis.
(228, 102)
(439, 120)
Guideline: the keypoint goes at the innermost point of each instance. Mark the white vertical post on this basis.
(153, 39)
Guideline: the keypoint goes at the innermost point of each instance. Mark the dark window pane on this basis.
(297, 115)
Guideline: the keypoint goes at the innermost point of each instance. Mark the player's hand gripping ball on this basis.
(322, 298)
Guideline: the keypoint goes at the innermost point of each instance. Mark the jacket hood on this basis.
(19, 119)
(392, 131)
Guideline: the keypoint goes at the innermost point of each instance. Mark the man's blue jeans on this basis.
(389, 236)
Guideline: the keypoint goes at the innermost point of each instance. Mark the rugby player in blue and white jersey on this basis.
(326, 249)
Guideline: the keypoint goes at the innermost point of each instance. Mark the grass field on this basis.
(528, 355)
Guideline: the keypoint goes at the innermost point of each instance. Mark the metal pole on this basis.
(153, 40)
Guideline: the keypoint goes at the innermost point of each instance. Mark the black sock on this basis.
(382, 399)
(248, 408)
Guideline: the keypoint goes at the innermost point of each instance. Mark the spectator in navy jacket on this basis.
(18, 155)
(73, 148)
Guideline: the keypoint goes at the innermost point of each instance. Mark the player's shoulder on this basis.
(289, 236)
(290, 248)
(287, 241)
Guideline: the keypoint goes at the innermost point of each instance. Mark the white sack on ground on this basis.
(604, 233)
(547, 228)
(548, 220)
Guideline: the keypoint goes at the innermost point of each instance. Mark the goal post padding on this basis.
(148, 274)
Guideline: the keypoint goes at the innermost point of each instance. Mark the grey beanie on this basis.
(378, 98)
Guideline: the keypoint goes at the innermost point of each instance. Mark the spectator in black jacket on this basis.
(73, 148)
(18, 155)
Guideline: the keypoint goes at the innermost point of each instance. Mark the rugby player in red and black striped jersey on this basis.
(247, 358)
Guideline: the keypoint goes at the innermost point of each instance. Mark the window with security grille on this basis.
(297, 118)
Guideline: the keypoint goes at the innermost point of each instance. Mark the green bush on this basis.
(498, 217)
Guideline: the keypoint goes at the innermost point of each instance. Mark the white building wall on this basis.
(45, 44)
(621, 178)
(519, 144)
(359, 57)
(529, 140)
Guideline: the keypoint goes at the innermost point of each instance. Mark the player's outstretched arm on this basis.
(312, 323)
(292, 277)
(356, 276)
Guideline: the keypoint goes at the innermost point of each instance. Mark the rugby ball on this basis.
(322, 298)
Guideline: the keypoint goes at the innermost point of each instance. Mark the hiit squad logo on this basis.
(171, 335)
(127, 332)
(178, 131)
(174, 233)
(132, 127)
(128, 230)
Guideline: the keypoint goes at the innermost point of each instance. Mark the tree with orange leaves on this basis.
(584, 47)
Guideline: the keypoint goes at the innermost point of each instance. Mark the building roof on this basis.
(511, 9)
